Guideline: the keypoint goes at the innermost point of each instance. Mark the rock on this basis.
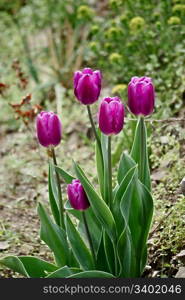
(159, 175)
(164, 139)
(26, 249)
(4, 245)
(181, 256)
(180, 273)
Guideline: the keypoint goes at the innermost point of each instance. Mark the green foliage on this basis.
(54, 237)
(28, 266)
(80, 250)
(143, 34)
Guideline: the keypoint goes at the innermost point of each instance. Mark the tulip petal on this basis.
(111, 115)
(55, 130)
(87, 85)
(42, 133)
(105, 118)
(141, 95)
(77, 76)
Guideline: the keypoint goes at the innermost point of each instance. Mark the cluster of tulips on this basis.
(96, 233)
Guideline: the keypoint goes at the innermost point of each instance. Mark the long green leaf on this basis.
(80, 250)
(101, 260)
(92, 274)
(54, 237)
(36, 267)
(109, 252)
(76, 213)
(100, 168)
(14, 263)
(139, 153)
(118, 197)
(28, 266)
(137, 210)
(64, 175)
(100, 208)
(94, 226)
(126, 163)
(126, 255)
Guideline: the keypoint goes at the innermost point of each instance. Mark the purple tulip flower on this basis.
(49, 129)
(77, 196)
(141, 96)
(87, 85)
(111, 115)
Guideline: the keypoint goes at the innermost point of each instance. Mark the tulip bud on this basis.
(77, 196)
(87, 85)
(141, 96)
(111, 115)
(49, 129)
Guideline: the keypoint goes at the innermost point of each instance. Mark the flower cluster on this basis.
(87, 87)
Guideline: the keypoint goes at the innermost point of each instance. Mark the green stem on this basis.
(61, 207)
(142, 151)
(109, 173)
(89, 237)
(93, 126)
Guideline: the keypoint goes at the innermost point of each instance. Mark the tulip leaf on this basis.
(36, 267)
(94, 226)
(126, 163)
(104, 145)
(139, 153)
(109, 252)
(99, 207)
(101, 260)
(92, 274)
(72, 262)
(64, 175)
(76, 213)
(137, 210)
(118, 197)
(14, 263)
(100, 168)
(53, 197)
(79, 248)
(126, 255)
(54, 236)
(63, 272)
(28, 266)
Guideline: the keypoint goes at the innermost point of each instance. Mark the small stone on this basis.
(181, 256)
(180, 273)
(4, 245)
